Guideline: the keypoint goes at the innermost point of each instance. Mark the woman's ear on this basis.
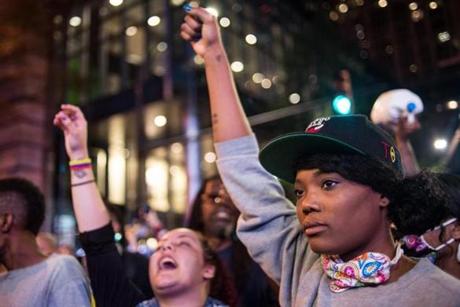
(209, 271)
(384, 201)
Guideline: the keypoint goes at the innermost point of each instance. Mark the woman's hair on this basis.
(429, 199)
(417, 203)
(196, 217)
(451, 185)
(220, 286)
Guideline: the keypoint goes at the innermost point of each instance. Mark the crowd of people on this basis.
(367, 228)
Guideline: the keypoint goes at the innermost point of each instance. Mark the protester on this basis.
(339, 251)
(214, 214)
(435, 226)
(31, 278)
(181, 270)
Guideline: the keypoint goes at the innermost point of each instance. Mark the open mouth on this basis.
(222, 216)
(167, 263)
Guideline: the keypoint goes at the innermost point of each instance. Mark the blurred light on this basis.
(75, 21)
(251, 39)
(131, 31)
(117, 236)
(343, 8)
(224, 22)
(103, 11)
(413, 68)
(382, 3)
(177, 2)
(389, 49)
(152, 243)
(213, 11)
(162, 46)
(452, 105)
(134, 58)
(417, 15)
(360, 35)
(210, 157)
(57, 19)
(294, 98)
(198, 60)
(359, 27)
(341, 105)
(257, 77)
(159, 70)
(359, 2)
(176, 148)
(266, 83)
(443, 36)
(440, 144)
(433, 5)
(160, 120)
(413, 6)
(174, 170)
(333, 16)
(237, 66)
(153, 21)
(116, 2)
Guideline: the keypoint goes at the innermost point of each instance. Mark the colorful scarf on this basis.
(364, 270)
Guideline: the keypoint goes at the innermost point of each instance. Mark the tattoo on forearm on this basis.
(80, 173)
(214, 118)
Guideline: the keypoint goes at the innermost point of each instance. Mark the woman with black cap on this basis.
(335, 248)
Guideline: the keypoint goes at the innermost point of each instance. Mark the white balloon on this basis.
(393, 104)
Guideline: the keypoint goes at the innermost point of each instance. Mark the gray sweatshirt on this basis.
(269, 228)
(55, 282)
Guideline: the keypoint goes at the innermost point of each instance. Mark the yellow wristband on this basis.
(78, 162)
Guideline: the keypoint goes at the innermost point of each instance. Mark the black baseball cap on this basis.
(334, 134)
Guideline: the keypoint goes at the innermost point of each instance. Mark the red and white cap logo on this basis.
(316, 125)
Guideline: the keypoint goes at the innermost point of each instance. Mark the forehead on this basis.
(180, 233)
(213, 185)
(309, 173)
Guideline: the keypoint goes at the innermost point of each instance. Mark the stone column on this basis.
(25, 134)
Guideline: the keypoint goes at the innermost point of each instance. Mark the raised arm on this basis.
(229, 121)
(402, 132)
(89, 208)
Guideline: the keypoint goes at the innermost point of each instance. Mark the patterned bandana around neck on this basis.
(364, 270)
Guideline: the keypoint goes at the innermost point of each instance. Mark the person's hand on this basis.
(201, 29)
(404, 127)
(73, 123)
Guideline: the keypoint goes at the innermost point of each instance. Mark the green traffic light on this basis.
(341, 105)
